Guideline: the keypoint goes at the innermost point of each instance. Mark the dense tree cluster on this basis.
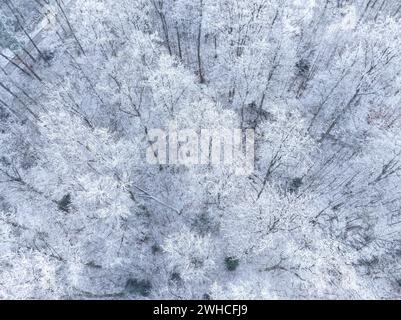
(83, 215)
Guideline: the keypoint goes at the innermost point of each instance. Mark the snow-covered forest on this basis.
(83, 215)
